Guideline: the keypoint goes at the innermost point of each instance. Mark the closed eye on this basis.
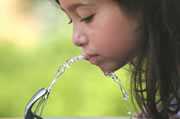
(70, 21)
(87, 19)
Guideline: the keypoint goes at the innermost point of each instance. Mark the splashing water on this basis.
(62, 69)
(66, 65)
(115, 78)
(35, 106)
(118, 82)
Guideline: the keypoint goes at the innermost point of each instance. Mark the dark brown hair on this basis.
(156, 70)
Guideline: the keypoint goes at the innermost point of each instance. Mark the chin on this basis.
(110, 68)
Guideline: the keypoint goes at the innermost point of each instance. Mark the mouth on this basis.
(92, 58)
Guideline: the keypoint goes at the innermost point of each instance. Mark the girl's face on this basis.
(107, 35)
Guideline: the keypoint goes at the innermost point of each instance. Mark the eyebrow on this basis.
(74, 6)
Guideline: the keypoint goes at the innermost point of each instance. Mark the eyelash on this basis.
(85, 19)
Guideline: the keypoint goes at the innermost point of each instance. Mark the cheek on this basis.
(114, 36)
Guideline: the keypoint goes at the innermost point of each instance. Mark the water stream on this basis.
(62, 68)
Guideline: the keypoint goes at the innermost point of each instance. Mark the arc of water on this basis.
(66, 65)
(62, 69)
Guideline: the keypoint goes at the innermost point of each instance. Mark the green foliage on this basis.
(82, 91)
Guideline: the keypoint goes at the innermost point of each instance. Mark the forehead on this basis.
(66, 3)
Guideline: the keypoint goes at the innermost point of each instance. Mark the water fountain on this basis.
(35, 106)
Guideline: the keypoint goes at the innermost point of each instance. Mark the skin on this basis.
(107, 35)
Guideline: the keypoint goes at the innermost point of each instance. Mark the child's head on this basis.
(108, 36)
(112, 33)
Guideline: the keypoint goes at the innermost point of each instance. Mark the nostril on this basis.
(79, 44)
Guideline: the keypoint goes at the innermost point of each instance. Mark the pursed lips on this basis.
(92, 58)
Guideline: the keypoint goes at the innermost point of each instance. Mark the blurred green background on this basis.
(34, 40)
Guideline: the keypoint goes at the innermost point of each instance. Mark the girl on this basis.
(143, 33)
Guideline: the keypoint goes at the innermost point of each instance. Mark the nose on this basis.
(80, 39)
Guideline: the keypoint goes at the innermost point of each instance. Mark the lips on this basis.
(92, 58)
